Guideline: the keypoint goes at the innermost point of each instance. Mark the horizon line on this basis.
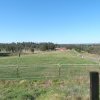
(47, 42)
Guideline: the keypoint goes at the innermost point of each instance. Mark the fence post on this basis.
(17, 72)
(59, 70)
(94, 86)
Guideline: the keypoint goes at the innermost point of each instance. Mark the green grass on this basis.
(37, 77)
(40, 65)
(45, 58)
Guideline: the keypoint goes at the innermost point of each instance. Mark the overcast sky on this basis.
(58, 21)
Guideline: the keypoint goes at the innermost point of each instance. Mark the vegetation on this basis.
(44, 90)
(26, 46)
(47, 46)
(36, 76)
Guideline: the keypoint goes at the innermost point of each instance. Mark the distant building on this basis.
(60, 49)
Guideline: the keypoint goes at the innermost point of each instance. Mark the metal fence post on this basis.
(94, 86)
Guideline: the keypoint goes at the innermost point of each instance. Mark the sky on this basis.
(57, 21)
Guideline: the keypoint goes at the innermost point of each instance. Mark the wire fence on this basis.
(44, 71)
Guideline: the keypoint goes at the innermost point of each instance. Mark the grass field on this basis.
(43, 64)
(46, 76)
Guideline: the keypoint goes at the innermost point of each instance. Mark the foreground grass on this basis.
(43, 90)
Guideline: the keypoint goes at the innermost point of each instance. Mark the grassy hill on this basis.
(68, 57)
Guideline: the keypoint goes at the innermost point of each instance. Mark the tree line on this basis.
(47, 46)
(90, 48)
(18, 47)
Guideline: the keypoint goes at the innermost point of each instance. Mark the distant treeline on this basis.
(18, 47)
(90, 48)
(47, 46)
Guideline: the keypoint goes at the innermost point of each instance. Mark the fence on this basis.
(44, 71)
(76, 75)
